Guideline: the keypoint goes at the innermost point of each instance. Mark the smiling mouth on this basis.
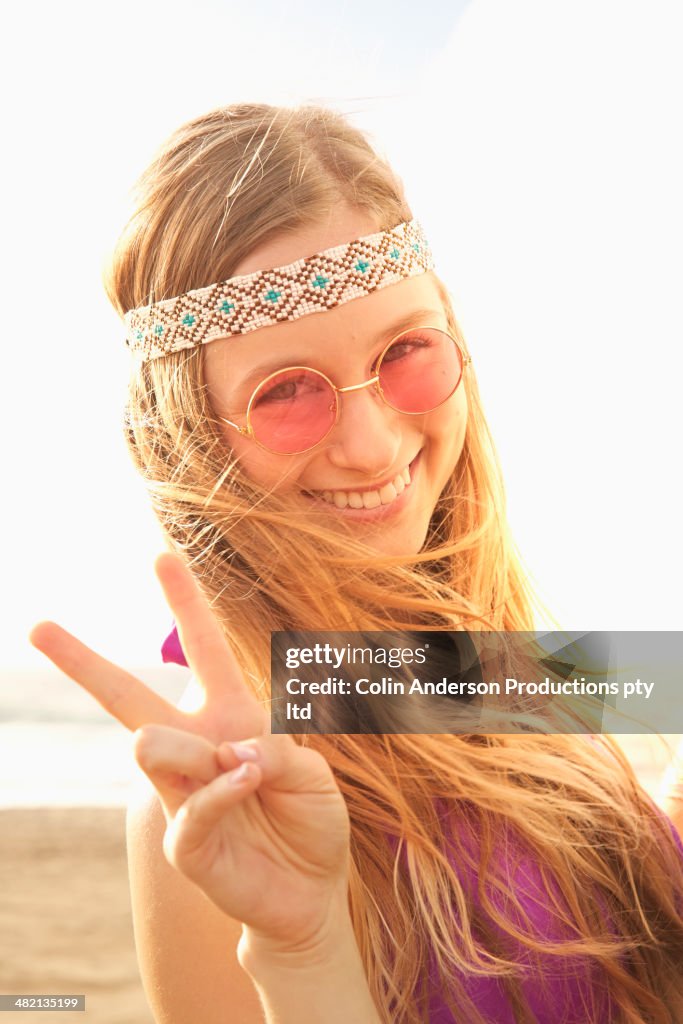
(374, 499)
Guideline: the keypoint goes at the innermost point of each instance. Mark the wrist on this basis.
(315, 979)
(261, 954)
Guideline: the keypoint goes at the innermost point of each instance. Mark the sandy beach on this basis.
(65, 918)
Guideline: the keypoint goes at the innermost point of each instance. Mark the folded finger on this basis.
(177, 762)
(284, 765)
(122, 695)
(202, 812)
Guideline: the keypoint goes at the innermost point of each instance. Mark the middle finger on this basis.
(120, 694)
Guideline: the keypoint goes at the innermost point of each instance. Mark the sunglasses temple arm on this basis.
(244, 431)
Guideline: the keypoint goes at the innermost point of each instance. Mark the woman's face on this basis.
(371, 444)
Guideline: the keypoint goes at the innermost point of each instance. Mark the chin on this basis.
(402, 543)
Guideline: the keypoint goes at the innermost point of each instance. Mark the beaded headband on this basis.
(269, 297)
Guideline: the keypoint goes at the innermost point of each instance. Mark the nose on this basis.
(367, 436)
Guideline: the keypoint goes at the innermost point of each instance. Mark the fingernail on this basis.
(240, 775)
(245, 752)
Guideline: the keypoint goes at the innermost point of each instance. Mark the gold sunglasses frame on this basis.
(248, 431)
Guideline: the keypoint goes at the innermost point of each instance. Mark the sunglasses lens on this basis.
(420, 370)
(292, 411)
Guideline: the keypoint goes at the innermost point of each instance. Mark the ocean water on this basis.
(58, 747)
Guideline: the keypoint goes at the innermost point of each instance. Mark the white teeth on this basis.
(369, 499)
(388, 493)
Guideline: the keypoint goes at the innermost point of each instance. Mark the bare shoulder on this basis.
(187, 948)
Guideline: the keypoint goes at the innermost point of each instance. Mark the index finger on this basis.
(120, 693)
(204, 644)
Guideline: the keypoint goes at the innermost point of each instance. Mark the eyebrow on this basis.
(416, 318)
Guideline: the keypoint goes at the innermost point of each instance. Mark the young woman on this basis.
(305, 414)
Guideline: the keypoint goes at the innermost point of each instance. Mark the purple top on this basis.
(171, 651)
(556, 989)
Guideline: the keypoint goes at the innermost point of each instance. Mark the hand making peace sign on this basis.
(254, 819)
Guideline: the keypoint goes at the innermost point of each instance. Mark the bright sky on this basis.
(538, 142)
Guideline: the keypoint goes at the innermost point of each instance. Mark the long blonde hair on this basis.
(224, 184)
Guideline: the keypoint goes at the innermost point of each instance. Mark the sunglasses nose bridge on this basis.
(359, 387)
(372, 382)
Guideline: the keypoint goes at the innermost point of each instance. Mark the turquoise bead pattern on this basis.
(268, 297)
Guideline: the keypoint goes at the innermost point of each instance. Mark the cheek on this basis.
(450, 429)
(272, 472)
